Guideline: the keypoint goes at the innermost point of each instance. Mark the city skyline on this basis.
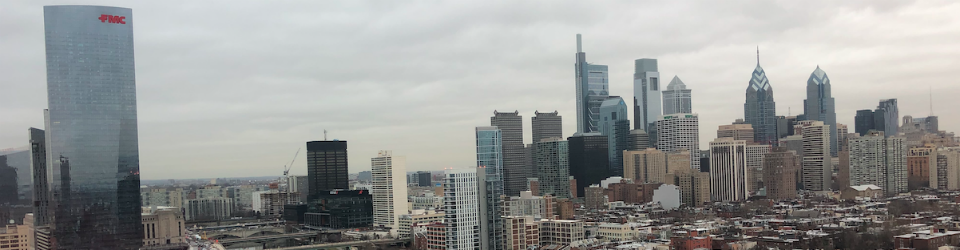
(220, 130)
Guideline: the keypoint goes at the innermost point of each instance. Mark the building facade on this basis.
(326, 167)
(819, 104)
(341, 209)
(592, 87)
(817, 166)
(490, 159)
(389, 189)
(760, 109)
(728, 170)
(588, 159)
(676, 98)
(553, 167)
(677, 132)
(461, 205)
(91, 127)
(615, 125)
(208, 209)
(514, 164)
(546, 125)
(876, 160)
(163, 226)
(646, 93)
(780, 170)
(755, 155)
(737, 131)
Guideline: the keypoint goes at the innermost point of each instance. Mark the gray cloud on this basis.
(234, 88)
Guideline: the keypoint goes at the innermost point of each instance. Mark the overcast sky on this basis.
(234, 88)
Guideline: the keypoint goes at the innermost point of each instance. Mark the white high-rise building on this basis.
(461, 204)
(817, 168)
(389, 174)
(878, 161)
(677, 132)
(676, 98)
(755, 154)
(728, 170)
(646, 93)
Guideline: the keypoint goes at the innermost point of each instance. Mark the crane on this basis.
(286, 169)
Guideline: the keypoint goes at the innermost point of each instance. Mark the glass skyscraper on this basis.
(819, 104)
(615, 125)
(490, 158)
(760, 110)
(592, 88)
(92, 149)
(646, 93)
(676, 98)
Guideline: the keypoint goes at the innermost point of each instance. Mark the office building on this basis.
(560, 232)
(615, 125)
(417, 217)
(784, 125)
(389, 190)
(878, 160)
(948, 168)
(326, 166)
(676, 98)
(553, 167)
(8, 183)
(588, 159)
(424, 179)
(728, 172)
(638, 140)
(780, 168)
(737, 131)
(890, 112)
(694, 186)
(760, 109)
(755, 155)
(595, 200)
(817, 167)
(864, 121)
(207, 209)
(340, 209)
(461, 205)
(511, 129)
(646, 93)
(524, 233)
(819, 105)
(677, 132)
(919, 163)
(92, 147)
(546, 125)
(272, 202)
(298, 184)
(592, 88)
(38, 169)
(527, 204)
(163, 227)
(490, 161)
(645, 166)
(18, 159)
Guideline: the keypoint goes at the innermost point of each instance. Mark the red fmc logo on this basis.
(112, 19)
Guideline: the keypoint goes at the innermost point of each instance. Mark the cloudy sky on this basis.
(234, 88)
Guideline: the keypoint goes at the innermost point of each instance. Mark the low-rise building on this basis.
(418, 216)
(163, 226)
(208, 209)
(341, 209)
(15, 237)
(861, 191)
(927, 240)
(614, 232)
(560, 232)
(520, 232)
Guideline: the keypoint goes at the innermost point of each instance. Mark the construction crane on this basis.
(286, 171)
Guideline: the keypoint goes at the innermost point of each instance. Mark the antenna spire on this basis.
(579, 44)
(758, 54)
(324, 134)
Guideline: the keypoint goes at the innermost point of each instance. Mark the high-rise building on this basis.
(780, 172)
(841, 137)
(389, 189)
(919, 171)
(817, 167)
(207, 209)
(326, 166)
(737, 131)
(676, 98)
(588, 159)
(760, 109)
(594, 197)
(948, 168)
(511, 129)
(615, 125)
(646, 93)
(890, 113)
(677, 132)
(553, 167)
(490, 159)
(592, 88)
(424, 179)
(38, 168)
(92, 147)
(694, 186)
(864, 122)
(8, 182)
(341, 209)
(755, 155)
(546, 125)
(875, 160)
(819, 105)
(645, 166)
(638, 140)
(19, 160)
(295, 183)
(728, 172)
(461, 206)
(785, 126)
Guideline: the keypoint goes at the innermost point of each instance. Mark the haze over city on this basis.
(229, 89)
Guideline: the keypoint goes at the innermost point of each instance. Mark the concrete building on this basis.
(755, 155)
(595, 200)
(694, 186)
(638, 140)
(539, 207)
(592, 87)
(326, 167)
(208, 209)
(677, 132)
(646, 166)
(514, 173)
(417, 217)
(298, 184)
(462, 208)
(615, 232)
(919, 161)
(948, 163)
(728, 170)
(588, 159)
(676, 98)
(780, 168)
(876, 160)
(16, 237)
(759, 110)
(819, 105)
(646, 93)
(272, 202)
(424, 179)
(553, 167)
(842, 134)
(560, 232)
(522, 233)
(490, 161)
(546, 125)
(817, 167)
(163, 226)
(737, 131)
(389, 189)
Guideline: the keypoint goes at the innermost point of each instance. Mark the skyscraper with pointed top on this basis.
(676, 98)
(819, 104)
(592, 89)
(760, 109)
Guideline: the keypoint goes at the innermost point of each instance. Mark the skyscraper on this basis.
(760, 109)
(490, 159)
(92, 146)
(890, 113)
(677, 132)
(816, 164)
(676, 98)
(546, 125)
(588, 159)
(326, 166)
(615, 125)
(38, 168)
(389, 189)
(553, 167)
(645, 166)
(780, 173)
(592, 88)
(754, 159)
(728, 172)
(878, 161)
(646, 93)
(736, 131)
(511, 129)
(461, 208)
(864, 122)
(638, 140)
(424, 179)
(819, 104)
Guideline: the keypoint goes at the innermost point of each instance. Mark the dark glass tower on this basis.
(326, 167)
(819, 104)
(92, 149)
(588, 159)
(760, 109)
(514, 164)
(864, 121)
